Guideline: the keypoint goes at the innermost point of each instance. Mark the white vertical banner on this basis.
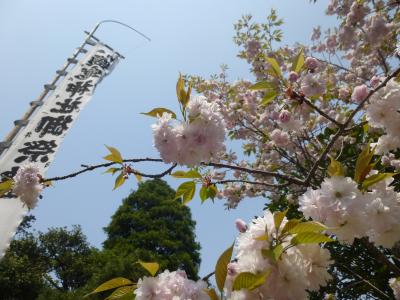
(40, 139)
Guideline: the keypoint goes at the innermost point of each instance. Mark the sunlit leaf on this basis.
(273, 254)
(278, 218)
(221, 268)
(115, 155)
(310, 238)
(158, 112)
(363, 166)
(138, 177)
(311, 226)
(290, 224)
(212, 191)
(203, 194)
(262, 85)
(298, 62)
(335, 168)
(112, 170)
(275, 66)
(6, 186)
(375, 179)
(123, 293)
(268, 97)
(151, 267)
(212, 294)
(188, 174)
(111, 284)
(119, 181)
(249, 281)
(187, 191)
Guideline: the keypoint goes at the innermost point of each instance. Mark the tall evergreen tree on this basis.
(151, 225)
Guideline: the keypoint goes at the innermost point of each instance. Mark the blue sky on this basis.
(192, 37)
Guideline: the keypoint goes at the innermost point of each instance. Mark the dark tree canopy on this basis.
(151, 225)
(61, 265)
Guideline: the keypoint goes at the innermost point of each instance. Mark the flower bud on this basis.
(311, 63)
(293, 76)
(359, 93)
(241, 225)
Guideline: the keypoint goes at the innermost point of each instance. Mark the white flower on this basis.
(339, 205)
(27, 185)
(383, 112)
(300, 268)
(383, 214)
(312, 85)
(170, 286)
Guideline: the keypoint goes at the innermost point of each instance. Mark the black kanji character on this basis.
(36, 149)
(9, 174)
(28, 135)
(52, 125)
(80, 87)
(86, 73)
(101, 61)
(68, 106)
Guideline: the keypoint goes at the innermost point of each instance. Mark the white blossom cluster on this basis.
(301, 268)
(350, 214)
(170, 286)
(27, 185)
(197, 140)
(384, 112)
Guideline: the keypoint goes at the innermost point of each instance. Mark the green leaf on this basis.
(123, 293)
(262, 85)
(363, 166)
(375, 179)
(290, 224)
(158, 112)
(335, 168)
(261, 238)
(273, 254)
(119, 181)
(138, 177)
(310, 226)
(112, 170)
(221, 268)
(183, 97)
(212, 191)
(203, 193)
(298, 62)
(115, 155)
(268, 97)
(212, 294)
(275, 66)
(151, 267)
(310, 238)
(188, 174)
(111, 284)
(249, 281)
(6, 186)
(278, 218)
(186, 190)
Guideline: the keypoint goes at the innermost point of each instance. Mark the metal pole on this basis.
(48, 87)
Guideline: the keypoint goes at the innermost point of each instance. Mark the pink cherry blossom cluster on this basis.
(27, 185)
(384, 112)
(170, 286)
(350, 213)
(300, 268)
(198, 139)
